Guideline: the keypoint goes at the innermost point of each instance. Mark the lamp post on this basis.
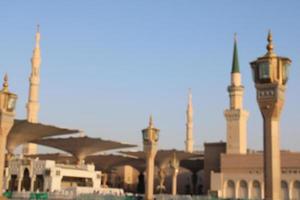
(270, 74)
(7, 115)
(150, 139)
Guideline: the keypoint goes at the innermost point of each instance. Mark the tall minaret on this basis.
(189, 142)
(236, 116)
(33, 98)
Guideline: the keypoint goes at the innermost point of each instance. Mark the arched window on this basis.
(26, 180)
(296, 190)
(39, 183)
(230, 189)
(284, 190)
(13, 183)
(256, 190)
(243, 189)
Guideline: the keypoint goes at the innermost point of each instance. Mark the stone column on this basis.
(161, 176)
(7, 182)
(2, 160)
(290, 188)
(5, 126)
(174, 164)
(105, 178)
(249, 190)
(150, 139)
(150, 175)
(237, 188)
(270, 74)
(32, 183)
(174, 180)
(20, 179)
(7, 115)
(262, 191)
(271, 98)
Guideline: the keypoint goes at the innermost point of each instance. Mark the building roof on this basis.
(235, 60)
(81, 147)
(60, 158)
(23, 132)
(163, 156)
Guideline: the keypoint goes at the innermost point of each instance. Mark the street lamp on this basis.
(150, 139)
(270, 74)
(7, 114)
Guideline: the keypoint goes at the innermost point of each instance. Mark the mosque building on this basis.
(239, 172)
(224, 169)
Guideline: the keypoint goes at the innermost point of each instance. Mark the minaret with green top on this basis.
(236, 116)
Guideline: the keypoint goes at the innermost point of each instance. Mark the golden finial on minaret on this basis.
(270, 46)
(5, 83)
(151, 122)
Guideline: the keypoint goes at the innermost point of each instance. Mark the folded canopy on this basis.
(23, 132)
(163, 156)
(106, 163)
(81, 147)
(194, 165)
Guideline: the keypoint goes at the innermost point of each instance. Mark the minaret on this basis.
(236, 116)
(189, 142)
(33, 98)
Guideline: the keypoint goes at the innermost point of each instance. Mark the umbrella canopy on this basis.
(137, 163)
(23, 132)
(106, 163)
(194, 165)
(163, 156)
(81, 147)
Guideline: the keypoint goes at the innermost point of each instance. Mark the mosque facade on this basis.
(24, 174)
(239, 172)
(224, 169)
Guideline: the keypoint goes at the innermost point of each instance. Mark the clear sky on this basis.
(106, 65)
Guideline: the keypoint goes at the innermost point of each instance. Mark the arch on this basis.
(39, 183)
(13, 183)
(284, 190)
(243, 190)
(296, 190)
(256, 190)
(230, 189)
(26, 180)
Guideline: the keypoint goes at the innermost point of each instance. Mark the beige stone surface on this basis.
(236, 118)
(270, 84)
(7, 115)
(249, 168)
(150, 139)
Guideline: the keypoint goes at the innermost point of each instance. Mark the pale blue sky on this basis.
(106, 65)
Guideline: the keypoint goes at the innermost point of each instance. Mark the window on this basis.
(264, 70)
